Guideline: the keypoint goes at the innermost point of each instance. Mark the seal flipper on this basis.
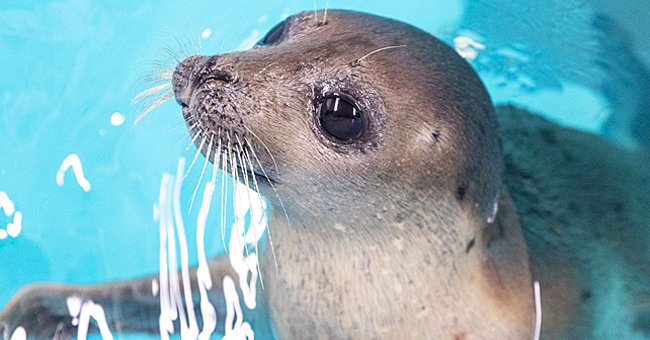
(130, 306)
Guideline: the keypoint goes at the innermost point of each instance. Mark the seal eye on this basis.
(339, 118)
(274, 35)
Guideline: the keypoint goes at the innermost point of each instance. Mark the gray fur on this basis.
(388, 237)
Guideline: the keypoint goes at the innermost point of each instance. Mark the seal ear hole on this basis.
(339, 118)
(436, 134)
(469, 245)
(460, 191)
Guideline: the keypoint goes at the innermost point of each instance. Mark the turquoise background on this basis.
(67, 66)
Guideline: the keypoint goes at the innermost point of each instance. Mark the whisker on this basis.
(205, 164)
(224, 200)
(196, 156)
(152, 106)
(284, 210)
(196, 43)
(150, 92)
(162, 74)
(183, 124)
(181, 47)
(196, 136)
(215, 162)
(259, 196)
(315, 13)
(245, 172)
(217, 159)
(187, 148)
(327, 5)
(173, 55)
(235, 172)
(358, 61)
(275, 164)
(179, 139)
(268, 230)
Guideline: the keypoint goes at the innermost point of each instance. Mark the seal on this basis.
(397, 211)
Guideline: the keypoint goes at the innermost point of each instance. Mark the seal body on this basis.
(396, 211)
(583, 205)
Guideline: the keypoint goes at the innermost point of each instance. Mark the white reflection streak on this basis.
(19, 334)
(246, 266)
(245, 263)
(467, 47)
(235, 328)
(168, 311)
(208, 313)
(72, 161)
(538, 310)
(168, 288)
(13, 228)
(6, 204)
(190, 329)
(81, 312)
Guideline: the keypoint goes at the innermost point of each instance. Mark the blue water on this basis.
(68, 66)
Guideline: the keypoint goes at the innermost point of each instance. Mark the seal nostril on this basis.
(182, 77)
(185, 109)
(221, 75)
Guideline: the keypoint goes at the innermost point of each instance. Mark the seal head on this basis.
(424, 122)
(381, 145)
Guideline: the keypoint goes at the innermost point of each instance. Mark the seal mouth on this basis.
(225, 140)
(211, 97)
(233, 151)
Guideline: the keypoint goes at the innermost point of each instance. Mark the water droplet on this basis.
(117, 119)
(493, 213)
(207, 33)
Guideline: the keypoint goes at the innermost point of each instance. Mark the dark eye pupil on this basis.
(341, 119)
(273, 35)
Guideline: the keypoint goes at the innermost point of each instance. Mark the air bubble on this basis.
(117, 119)
(207, 33)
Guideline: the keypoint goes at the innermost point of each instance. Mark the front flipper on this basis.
(47, 311)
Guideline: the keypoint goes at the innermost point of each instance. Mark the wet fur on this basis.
(389, 237)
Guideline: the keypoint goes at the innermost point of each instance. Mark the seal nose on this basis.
(196, 70)
(182, 78)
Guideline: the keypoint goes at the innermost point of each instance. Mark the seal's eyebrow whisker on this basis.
(327, 5)
(152, 106)
(358, 61)
(315, 13)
